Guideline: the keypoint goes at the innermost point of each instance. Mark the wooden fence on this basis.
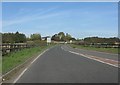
(102, 45)
(8, 47)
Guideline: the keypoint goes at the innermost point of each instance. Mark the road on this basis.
(59, 65)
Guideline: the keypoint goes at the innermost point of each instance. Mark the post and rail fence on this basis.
(9, 47)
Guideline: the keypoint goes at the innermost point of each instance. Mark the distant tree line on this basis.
(101, 40)
(61, 36)
(13, 37)
(19, 37)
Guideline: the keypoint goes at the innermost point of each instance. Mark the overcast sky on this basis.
(80, 19)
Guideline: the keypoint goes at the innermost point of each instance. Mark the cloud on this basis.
(35, 15)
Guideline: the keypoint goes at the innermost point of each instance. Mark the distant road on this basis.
(60, 64)
(94, 53)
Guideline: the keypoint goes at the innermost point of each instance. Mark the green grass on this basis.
(16, 58)
(107, 50)
(0, 65)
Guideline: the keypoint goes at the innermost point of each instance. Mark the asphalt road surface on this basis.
(58, 65)
(94, 53)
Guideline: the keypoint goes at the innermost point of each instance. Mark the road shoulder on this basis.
(13, 75)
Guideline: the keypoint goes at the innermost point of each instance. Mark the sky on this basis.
(80, 19)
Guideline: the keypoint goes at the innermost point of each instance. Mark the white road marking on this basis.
(112, 60)
(94, 58)
(38, 56)
(20, 75)
(63, 48)
(29, 66)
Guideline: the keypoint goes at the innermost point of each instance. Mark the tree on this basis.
(35, 36)
(73, 39)
(55, 37)
(61, 36)
(8, 38)
(101, 40)
(19, 37)
(13, 37)
(68, 37)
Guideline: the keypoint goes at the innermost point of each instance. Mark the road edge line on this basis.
(29, 66)
(117, 66)
(93, 59)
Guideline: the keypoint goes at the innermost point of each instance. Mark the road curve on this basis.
(60, 66)
(91, 52)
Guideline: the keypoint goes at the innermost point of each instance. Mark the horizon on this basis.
(59, 32)
(79, 19)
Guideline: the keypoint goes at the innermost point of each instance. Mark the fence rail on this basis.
(100, 45)
(8, 47)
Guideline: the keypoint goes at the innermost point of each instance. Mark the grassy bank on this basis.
(107, 50)
(16, 58)
(0, 66)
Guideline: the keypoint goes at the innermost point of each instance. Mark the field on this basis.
(108, 50)
(16, 58)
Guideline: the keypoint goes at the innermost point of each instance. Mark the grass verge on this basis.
(0, 66)
(107, 50)
(16, 58)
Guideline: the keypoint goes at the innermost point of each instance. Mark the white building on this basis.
(48, 39)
